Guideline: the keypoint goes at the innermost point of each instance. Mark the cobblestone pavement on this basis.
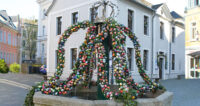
(15, 95)
(186, 92)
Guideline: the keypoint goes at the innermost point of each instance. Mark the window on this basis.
(161, 30)
(59, 25)
(4, 56)
(145, 59)
(7, 60)
(1, 55)
(130, 19)
(23, 55)
(146, 25)
(193, 31)
(24, 43)
(1, 36)
(74, 18)
(9, 39)
(5, 37)
(15, 40)
(129, 55)
(73, 57)
(173, 61)
(93, 14)
(43, 31)
(173, 34)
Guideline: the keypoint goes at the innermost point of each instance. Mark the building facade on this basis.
(192, 23)
(42, 31)
(29, 40)
(152, 24)
(9, 39)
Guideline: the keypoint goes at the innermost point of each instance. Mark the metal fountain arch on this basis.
(94, 40)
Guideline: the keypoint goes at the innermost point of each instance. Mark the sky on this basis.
(30, 8)
(173, 5)
(25, 8)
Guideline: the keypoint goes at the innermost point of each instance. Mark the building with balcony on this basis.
(42, 31)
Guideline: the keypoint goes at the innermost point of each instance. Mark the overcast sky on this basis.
(29, 8)
(173, 5)
(25, 8)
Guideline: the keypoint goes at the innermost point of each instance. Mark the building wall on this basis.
(65, 10)
(42, 31)
(8, 45)
(192, 15)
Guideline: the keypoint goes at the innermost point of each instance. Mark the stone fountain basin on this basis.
(39, 99)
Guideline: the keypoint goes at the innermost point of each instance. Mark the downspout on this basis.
(152, 45)
(170, 49)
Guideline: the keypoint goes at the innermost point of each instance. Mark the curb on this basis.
(15, 84)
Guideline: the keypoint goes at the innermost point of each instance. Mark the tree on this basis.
(29, 37)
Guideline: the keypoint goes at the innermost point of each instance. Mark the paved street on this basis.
(14, 95)
(186, 92)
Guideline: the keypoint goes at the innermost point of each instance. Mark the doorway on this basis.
(161, 68)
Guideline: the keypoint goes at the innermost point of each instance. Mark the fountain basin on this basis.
(40, 99)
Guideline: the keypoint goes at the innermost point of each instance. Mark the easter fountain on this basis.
(103, 36)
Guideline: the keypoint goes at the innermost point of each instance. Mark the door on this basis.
(160, 67)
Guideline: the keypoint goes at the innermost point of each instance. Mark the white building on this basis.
(42, 31)
(160, 32)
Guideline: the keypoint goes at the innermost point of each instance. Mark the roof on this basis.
(155, 7)
(195, 53)
(142, 3)
(145, 2)
(175, 15)
(15, 18)
(5, 19)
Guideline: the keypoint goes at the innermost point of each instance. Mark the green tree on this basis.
(29, 37)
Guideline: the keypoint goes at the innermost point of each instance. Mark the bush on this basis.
(3, 66)
(14, 68)
(29, 97)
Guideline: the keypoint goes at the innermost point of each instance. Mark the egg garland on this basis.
(83, 68)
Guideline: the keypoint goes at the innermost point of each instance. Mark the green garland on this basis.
(83, 70)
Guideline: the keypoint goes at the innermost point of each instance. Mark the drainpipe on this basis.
(170, 49)
(152, 45)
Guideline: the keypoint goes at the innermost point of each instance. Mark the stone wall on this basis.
(48, 100)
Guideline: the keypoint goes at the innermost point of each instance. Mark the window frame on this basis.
(72, 17)
(72, 63)
(162, 30)
(173, 34)
(58, 25)
(130, 63)
(132, 19)
(173, 61)
(146, 60)
(146, 33)
(193, 28)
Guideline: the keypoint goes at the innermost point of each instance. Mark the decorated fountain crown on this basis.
(105, 5)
